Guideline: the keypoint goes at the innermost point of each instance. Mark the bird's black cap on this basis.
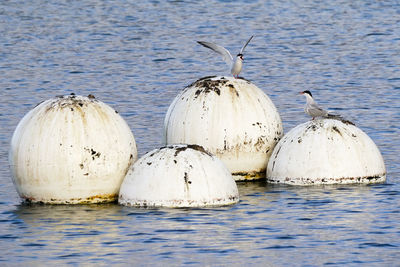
(307, 92)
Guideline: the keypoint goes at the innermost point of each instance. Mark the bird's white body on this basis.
(237, 67)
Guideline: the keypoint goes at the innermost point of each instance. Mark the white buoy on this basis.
(231, 118)
(326, 151)
(69, 150)
(178, 176)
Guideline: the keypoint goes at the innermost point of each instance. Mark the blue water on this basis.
(137, 55)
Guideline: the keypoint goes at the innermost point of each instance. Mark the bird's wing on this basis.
(220, 50)
(316, 107)
(248, 41)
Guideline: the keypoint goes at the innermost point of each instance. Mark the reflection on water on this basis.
(60, 232)
(270, 219)
(137, 56)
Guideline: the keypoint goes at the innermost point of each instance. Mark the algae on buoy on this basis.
(326, 151)
(231, 118)
(178, 176)
(71, 149)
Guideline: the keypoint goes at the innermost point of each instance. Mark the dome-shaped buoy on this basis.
(231, 118)
(326, 151)
(70, 150)
(178, 176)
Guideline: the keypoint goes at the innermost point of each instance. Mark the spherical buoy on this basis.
(326, 151)
(69, 150)
(231, 118)
(178, 176)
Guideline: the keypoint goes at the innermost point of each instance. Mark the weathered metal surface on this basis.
(326, 151)
(248, 176)
(71, 149)
(84, 200)
(380, 178)
(178, 176)
(231, 118)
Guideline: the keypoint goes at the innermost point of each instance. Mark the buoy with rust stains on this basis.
(71, 149)
(326, 151)
(231, 118)
(178, 176)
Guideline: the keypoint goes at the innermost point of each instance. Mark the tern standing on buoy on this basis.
(236, 66)
(312, 108)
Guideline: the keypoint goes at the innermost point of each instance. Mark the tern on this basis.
(312, 108)
(236, 66)
(315, 111)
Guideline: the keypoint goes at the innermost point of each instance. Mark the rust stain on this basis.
(241, 78)
(344, 121)
(336, 130)
(187, 182)
(181, 203)
(105, 198)
(188, 146)
(94, 154)
(261, 141)
(200, 80)
(199, 148)
(247, 176)
(129, 165)
(259, 144)
(379, 178)
(69, 101)
(206, 85)
(233, 90)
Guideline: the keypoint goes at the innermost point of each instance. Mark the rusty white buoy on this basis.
(326, 151)
(70, 150)
(178, 176)
(231, 118)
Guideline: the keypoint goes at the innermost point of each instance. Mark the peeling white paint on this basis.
(326, 151)
(71, 149)
(231, 118)
(178, 176)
